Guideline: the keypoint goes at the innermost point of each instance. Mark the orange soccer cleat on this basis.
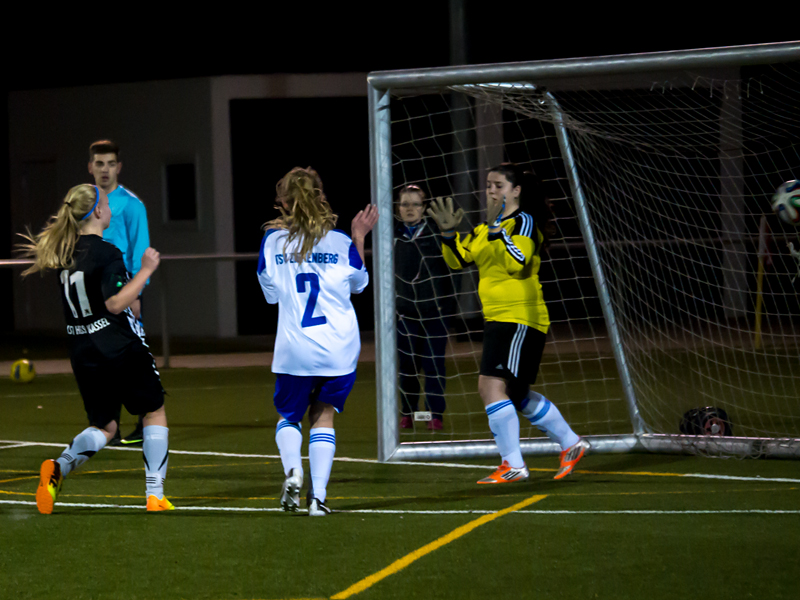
(570, 458)
(154, 504)
(505, 474)
(50, 481)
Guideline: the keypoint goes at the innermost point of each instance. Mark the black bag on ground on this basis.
(706, 421)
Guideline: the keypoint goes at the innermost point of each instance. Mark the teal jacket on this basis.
(128, 230)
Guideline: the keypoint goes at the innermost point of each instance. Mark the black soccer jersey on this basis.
(99, 273)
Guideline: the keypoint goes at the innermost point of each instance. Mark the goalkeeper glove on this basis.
(441, 210)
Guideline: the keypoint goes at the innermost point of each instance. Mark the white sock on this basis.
(504, 423)
(321, 448)
(543, 414)
(155, 450)
(289, 437)
(85, 445)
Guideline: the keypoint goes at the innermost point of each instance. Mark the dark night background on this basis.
(121, 43)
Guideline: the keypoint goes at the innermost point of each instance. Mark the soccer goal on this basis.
(671, 285)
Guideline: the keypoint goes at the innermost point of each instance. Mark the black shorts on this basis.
(131, 380)
(512, 351)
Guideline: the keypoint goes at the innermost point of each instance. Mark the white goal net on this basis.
(670, 284)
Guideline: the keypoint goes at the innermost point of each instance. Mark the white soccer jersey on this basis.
(317, 326)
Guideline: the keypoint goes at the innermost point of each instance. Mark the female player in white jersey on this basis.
(111, 362)
(310, 270)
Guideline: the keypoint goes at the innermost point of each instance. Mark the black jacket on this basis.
(423, 282)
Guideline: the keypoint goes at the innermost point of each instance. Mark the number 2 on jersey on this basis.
(309, 320)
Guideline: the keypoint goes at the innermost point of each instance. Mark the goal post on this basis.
(660, 167)
(594, 260)
(383, 272)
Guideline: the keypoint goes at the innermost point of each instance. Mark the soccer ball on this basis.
(22, 371)
(786, 202)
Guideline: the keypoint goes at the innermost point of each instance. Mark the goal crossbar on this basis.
(547, 72)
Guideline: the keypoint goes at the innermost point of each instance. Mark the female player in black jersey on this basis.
(507, 251)
(111, 362)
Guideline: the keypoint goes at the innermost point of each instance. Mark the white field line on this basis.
(206, 388)
(428, 512)
(738, 478)
(19, 443)
(172, 389)
(43, 395)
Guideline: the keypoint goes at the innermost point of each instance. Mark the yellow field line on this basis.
(642, 473)
(136, 469)
(19, 479)
(402, 563)
(175, 467)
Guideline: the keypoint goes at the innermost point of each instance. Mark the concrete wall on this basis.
(154, 123)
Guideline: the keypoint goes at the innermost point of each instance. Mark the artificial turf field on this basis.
(622, 526)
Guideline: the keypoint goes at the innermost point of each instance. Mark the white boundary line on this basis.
(20, 443)
(428, 512)
(205, 388)
(172, 389)
(43, 395)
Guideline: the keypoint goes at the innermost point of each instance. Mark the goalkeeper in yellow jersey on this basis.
(507, 251)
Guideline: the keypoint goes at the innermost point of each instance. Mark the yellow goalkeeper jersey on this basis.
(508, 263)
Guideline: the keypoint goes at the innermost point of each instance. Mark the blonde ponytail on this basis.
(305, 211)
(54, 245)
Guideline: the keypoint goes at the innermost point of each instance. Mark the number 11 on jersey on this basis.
(309, 320)
(77, 280)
